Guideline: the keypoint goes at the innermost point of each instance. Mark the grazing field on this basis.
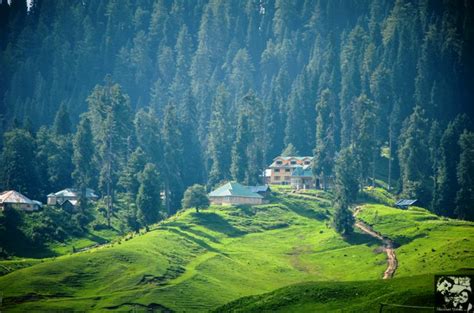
(426, 243)
(364, 296)
(202, 261)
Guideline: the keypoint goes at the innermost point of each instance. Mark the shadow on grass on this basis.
(358, 238)
(401, 240)
(197, 241)
(304, 211)
(193, 231)
(96, 238)
(136, 307)
(215, 222)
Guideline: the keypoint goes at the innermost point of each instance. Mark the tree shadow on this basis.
(359, 238)
(95, 238)
(401, 240)
(215, 222)
(197, 241)
(304, 211)
(190, 229)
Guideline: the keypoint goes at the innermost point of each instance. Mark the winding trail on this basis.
(387, 244)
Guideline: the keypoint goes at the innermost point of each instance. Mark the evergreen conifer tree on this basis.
(148, 198)
(218, 142)
(18, 163)
(324, 152)
(239, 150)
(414, 158)
(346, 188)
(290, 150)
(129, 179)
(447, 183)
(172, 159)
(110, 115)
(83, 159)
(62, 121)
(465, 174)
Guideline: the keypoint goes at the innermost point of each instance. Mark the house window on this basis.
(306, 162)
(279, 162)
(287, 170)
(287, 177)
(277, 177)
(293, 162)
(277, 170)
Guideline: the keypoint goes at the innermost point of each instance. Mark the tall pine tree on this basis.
(219, 141)
(414, 158)
(83, 159)
(148, 198)
(465, 174)
(324, 152)
(172, 160)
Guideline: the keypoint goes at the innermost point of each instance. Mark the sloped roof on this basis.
(12, 196)
(287, 162)
(405, 202)
(234, 189)
(73, 193)
(73, 202)
(293, 157)
(262, 188)
(301, 171)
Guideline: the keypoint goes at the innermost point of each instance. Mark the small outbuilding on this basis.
(404, 203)
(262, 190)
(234, 193)
(68, 205)
(12, 199)
(71, 194)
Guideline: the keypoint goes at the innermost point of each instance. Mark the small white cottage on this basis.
(71, 195)
(12, 199)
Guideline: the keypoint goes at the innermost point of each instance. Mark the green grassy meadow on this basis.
(271, 253)
(426, 242)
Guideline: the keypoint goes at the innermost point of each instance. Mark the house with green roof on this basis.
(234, 193)
(292, 170)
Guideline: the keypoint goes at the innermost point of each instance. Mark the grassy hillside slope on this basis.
(427, 245)
(198, 262)
(426, 242)
(364, 296)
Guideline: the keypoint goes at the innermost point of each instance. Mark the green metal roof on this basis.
(302, 172)
(234, 189)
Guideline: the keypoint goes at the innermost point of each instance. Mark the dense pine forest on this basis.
(142, 99)
(236, 155)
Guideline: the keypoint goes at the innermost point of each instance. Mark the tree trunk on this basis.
(389, 158)
(167, 199)
(109, 180)
(374, 156)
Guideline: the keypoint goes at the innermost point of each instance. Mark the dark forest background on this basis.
(125, 96)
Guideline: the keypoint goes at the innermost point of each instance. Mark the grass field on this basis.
(363, 296)
(426, 243)
(199, 262)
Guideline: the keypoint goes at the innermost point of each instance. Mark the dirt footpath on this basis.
(387, 244)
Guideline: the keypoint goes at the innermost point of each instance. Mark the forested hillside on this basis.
(122, 96)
